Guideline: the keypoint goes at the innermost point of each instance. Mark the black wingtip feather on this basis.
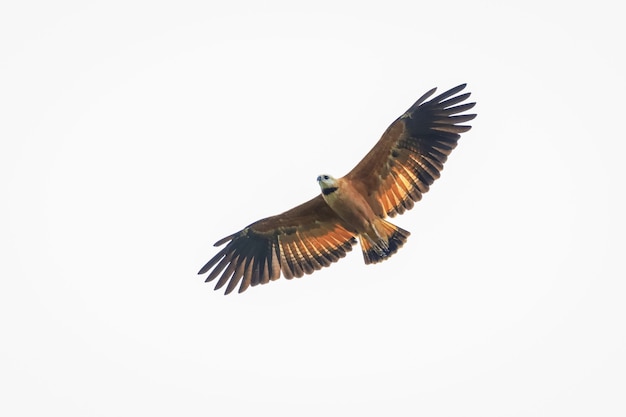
(226, 239)
(441, 97)
(212, 261)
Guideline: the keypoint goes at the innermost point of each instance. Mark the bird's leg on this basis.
(381, 243)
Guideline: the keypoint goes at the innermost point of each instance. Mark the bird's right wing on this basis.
(296, 242)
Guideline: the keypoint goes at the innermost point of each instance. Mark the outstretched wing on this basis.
(296, 242)
(410, 155)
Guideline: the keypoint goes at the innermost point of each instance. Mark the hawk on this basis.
(407, 159)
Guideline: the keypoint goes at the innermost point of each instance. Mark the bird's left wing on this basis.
(410, 155)
(296, 242)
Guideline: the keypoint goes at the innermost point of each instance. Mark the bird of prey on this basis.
(407, 159)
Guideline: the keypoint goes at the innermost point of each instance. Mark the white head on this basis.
(327, 183)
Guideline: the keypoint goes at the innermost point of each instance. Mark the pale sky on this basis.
(135, 134)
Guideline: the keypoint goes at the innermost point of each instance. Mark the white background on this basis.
(136, 134)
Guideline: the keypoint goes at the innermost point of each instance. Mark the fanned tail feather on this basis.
(378, 249)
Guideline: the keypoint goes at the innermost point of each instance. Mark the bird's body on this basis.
(373, 232)
(392, 176)
(348, 203)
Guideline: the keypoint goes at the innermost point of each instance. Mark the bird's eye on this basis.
(325, 177)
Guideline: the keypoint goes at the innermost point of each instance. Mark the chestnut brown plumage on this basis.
(407, 159)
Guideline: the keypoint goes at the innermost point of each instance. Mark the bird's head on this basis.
(327, 183)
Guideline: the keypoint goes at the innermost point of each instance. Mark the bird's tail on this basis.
(387, 239)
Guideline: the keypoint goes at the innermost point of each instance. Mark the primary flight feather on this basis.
(407, 159)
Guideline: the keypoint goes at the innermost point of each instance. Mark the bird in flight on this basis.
(407, 159)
